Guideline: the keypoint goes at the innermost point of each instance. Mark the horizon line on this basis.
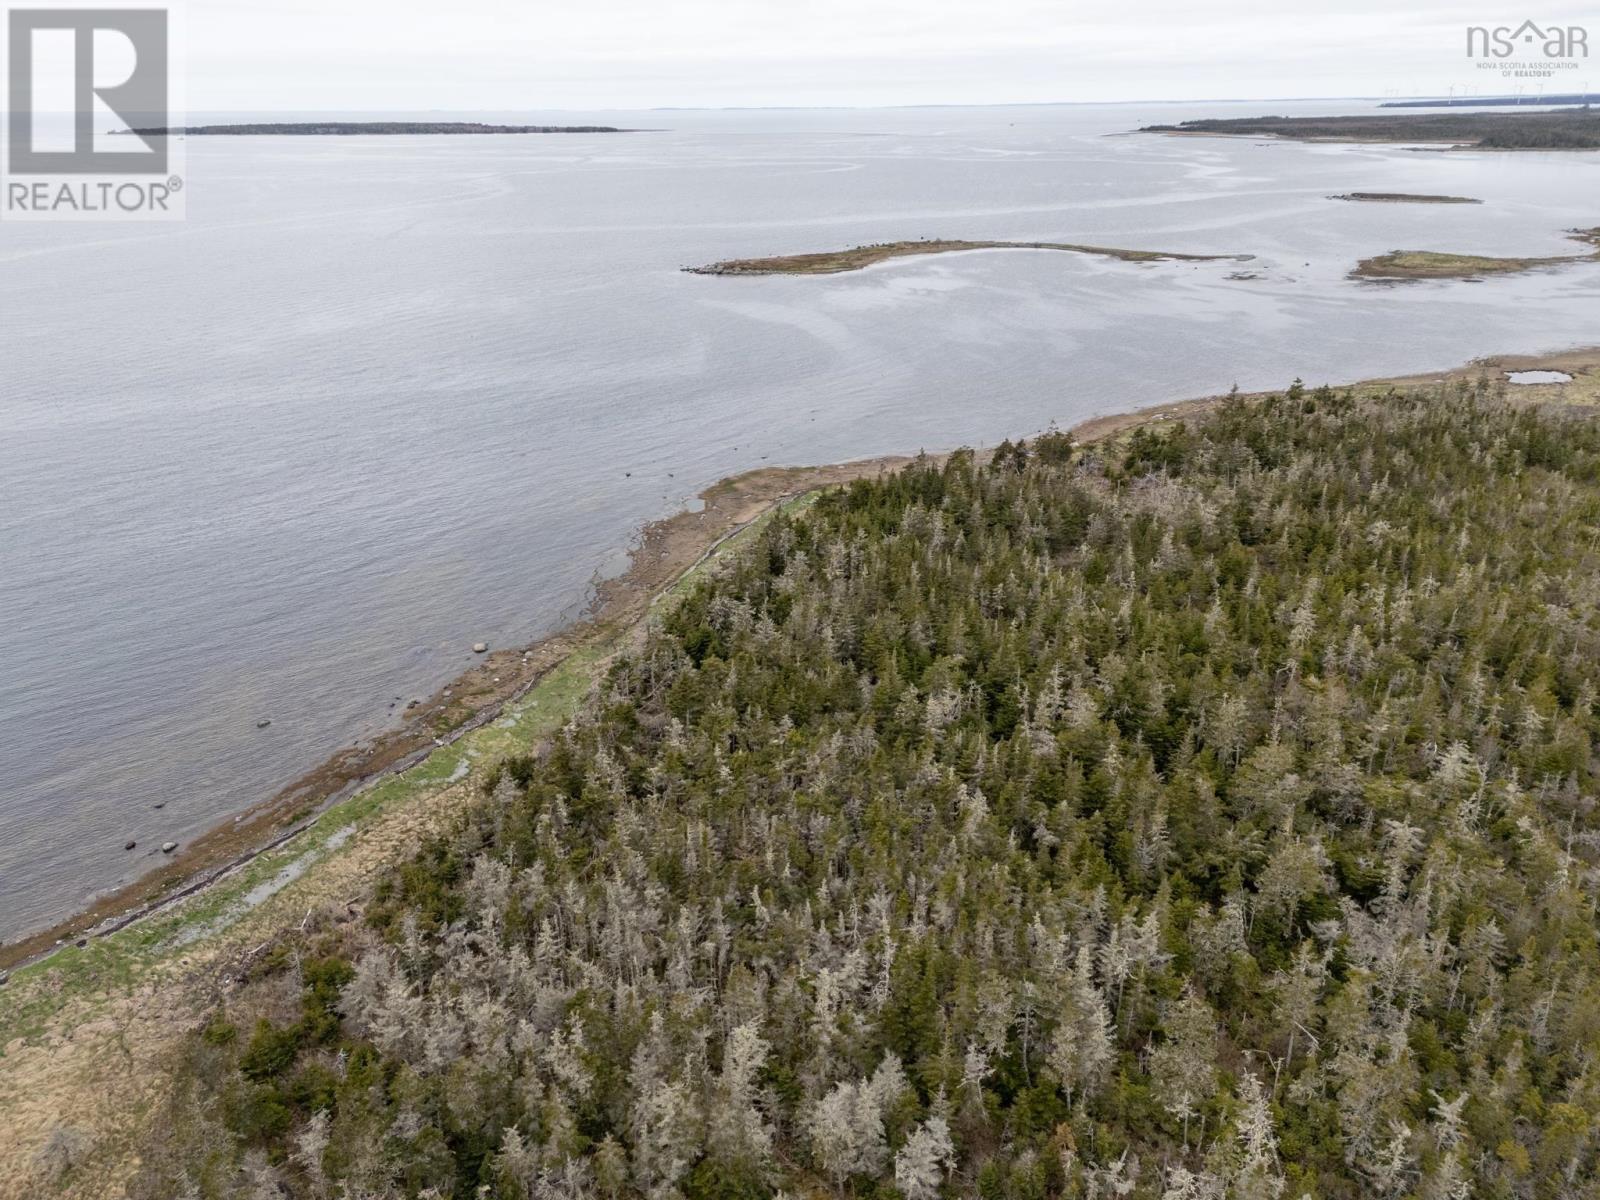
(1531, 103)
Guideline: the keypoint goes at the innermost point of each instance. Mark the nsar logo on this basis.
(1551, 41)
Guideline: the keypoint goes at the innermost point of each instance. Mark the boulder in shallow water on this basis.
(480, 647)
(168, 847)
(264, 722)
(130, 844)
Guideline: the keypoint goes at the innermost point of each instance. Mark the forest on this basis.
(1205, 814)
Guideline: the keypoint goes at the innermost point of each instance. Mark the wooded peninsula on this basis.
(1200, 814)
(1566, 129)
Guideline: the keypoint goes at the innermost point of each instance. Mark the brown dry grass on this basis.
(98, 1069)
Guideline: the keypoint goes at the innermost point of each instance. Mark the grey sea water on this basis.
(379, 398)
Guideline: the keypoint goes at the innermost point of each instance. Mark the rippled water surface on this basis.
(379, 398)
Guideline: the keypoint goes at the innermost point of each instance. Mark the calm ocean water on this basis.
(379, 398)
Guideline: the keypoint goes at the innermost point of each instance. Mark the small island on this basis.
(1429, 264)
(1402, 198)
(350, 128)
(834, 262)
(1564, 129)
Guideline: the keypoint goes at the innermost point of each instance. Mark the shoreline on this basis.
(1268, 135)
(664, 552)
(1422, 145)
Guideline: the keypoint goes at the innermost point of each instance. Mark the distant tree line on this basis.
(350, 128)
(1566, 129)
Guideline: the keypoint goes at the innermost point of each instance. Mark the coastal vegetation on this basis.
(834, 262)
(1431, 264)
(1204, 813)
(349, 128)
(1565, 129)
(1403, 198)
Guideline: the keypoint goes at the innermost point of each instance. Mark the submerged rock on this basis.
(264, 722)
(130, 845)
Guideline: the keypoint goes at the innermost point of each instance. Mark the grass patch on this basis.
(1432, 264)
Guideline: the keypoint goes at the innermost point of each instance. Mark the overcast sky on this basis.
(588, 54)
